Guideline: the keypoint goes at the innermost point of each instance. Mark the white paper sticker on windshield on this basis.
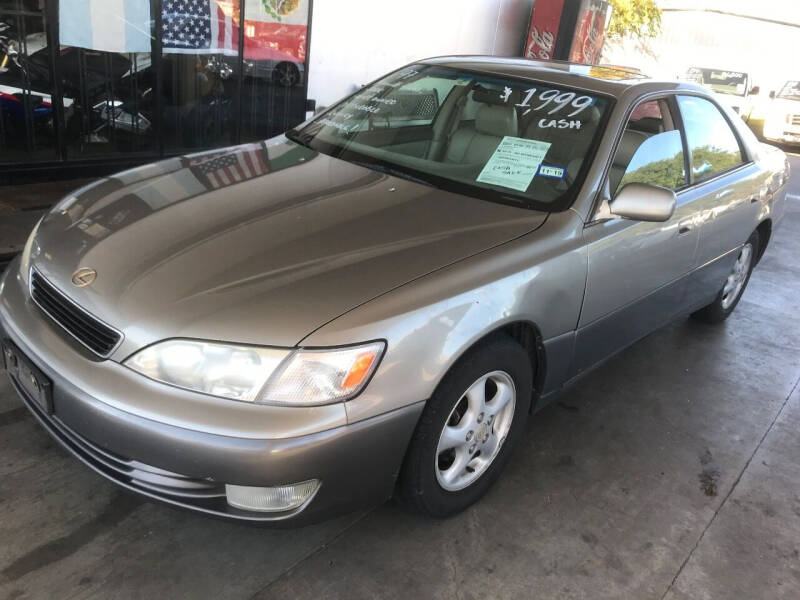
(514, 163)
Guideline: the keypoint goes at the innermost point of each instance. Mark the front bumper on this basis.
(357, 463)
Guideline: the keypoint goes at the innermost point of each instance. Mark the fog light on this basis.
(271, 499)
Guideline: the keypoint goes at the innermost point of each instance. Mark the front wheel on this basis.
(468, 429)
(730, 294)
(286, 74)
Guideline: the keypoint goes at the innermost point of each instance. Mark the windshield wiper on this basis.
(298, 137)
(516, 200)
(390, 171)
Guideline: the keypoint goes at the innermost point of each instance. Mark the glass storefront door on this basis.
(135, 80)
(27, 130)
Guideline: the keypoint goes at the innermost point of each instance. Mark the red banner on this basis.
(544, 29)
(587, 44)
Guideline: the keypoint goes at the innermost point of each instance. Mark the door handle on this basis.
(684, 227)
(723, 193)
(753, 199)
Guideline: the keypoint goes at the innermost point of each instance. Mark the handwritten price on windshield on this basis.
(560, 100)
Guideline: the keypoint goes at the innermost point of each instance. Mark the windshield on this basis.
(498, 138)
(722, 82)
(790, 90)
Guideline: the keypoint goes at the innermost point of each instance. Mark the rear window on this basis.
(518, 141)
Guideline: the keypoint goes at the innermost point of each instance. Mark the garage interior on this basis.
(670, 472)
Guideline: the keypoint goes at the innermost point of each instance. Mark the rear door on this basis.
(725, 184)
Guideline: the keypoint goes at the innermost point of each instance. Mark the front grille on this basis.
(88, 330)
(795, 120)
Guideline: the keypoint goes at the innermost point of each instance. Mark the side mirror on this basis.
(755, 90)
(772, 95)
(643, 202)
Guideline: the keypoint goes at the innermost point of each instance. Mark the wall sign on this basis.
(544, 29)
(587, 45)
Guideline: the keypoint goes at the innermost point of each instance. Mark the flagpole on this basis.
(309, 19)
(57, 99)
(156, 61)
(240, 80)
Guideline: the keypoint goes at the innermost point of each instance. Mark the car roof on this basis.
(608, 79)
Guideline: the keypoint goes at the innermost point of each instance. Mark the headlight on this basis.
(323, 376)
(25, 255)
(300, 377)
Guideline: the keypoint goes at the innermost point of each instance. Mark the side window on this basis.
(413, 104)
(712, 143)
(650, 151)
(647, 117)
(657, 161)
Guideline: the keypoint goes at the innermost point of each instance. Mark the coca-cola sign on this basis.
(587, 44)
(544, 29)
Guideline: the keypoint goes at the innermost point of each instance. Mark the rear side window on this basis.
(414, 104)
(712, 143)
(647, 117)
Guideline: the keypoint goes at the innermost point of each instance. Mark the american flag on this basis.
(224, 169)
(198, 27)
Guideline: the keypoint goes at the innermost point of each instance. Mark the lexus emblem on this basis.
(83, 277)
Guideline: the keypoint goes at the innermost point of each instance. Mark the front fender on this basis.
(429, 323)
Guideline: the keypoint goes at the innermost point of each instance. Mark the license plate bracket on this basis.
(35, 385)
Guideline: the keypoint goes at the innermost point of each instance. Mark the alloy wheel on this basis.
(475, 431)
(286, 74)
(737, 277)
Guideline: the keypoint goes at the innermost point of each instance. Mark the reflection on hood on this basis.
(190, 176)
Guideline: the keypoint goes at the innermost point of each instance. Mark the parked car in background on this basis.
(375, 302)
(733, 86)
(782, 115)
(264, 63)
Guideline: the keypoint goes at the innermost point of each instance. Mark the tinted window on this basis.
(712, 143)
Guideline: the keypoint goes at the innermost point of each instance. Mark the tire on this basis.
(286, 74)
(428, 479)
(727, 299)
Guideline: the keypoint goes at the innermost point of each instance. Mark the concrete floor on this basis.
(671, 472)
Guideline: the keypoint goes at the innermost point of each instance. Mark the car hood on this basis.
(257, 244)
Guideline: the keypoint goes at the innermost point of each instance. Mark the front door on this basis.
(637, 270)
